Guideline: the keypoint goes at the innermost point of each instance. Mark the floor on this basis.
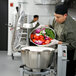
(9, 67)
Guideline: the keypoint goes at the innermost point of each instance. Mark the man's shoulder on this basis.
(70, 21)
(38, 23)
(70, 24)
(32, 21)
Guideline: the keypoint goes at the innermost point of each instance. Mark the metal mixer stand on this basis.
(28, 71)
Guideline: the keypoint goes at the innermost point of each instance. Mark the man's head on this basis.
(36, 17)
(60, 13)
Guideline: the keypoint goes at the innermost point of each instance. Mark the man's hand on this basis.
(54, 41)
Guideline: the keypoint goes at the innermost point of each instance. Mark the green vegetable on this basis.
(41, 33)
(50, 33)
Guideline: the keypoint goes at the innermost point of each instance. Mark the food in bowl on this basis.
(42, 36)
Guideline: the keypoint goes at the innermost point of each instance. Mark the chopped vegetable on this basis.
(34, 40)
(38, 30)
(47, 41)
(36, 37)
(50, 33)
(42, 36)
(32, 35)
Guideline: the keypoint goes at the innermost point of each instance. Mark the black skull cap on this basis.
(61, 9)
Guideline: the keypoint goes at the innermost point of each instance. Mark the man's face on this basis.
(35, 19)
(60, 18)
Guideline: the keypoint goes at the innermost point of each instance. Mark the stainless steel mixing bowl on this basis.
(37, 59)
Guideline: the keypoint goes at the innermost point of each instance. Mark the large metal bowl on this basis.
(33, 31)
(36, 58)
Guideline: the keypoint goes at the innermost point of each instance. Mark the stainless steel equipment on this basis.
(22, 37)
(62, 60)
(38, 58)
(33, 31)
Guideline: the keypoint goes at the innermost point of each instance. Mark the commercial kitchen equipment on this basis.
(37, 61)
(22, 38)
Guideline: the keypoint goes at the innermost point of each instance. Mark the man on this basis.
(65, 28)
(35, 21)
(35, 24)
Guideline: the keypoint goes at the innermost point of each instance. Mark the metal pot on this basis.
(37, 59)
